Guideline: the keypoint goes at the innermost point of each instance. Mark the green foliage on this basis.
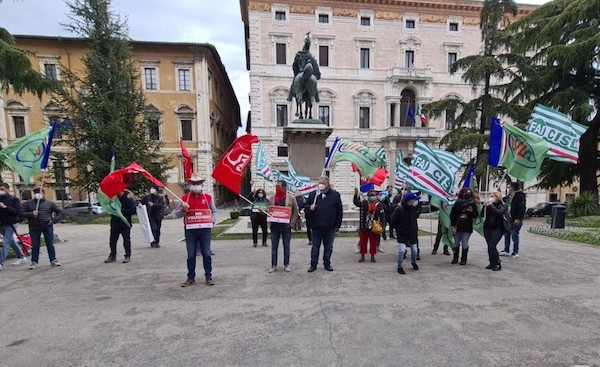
(590, 237)
(234, 214)
(585, 204)
(16, 71)
(584, 222)
(106, 103)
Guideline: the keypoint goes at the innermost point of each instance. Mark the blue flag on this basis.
(498, 143)
(411, 114)
(48, 147)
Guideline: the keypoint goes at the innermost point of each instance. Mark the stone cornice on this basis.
(384, 9)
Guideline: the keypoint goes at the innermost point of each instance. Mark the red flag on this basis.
(378, 177)
(228, 170)
(188, 168)
(118, 180)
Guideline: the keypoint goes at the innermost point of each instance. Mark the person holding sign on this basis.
(200, 214)
(283, 213)
(258, 217)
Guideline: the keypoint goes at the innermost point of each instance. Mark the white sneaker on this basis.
(357, 249)
(33, 265)
(20, 261)
(504, 253)
(272, 269)
(0, 266)
(287, 268)
(55, 263)
(515, 256)
(379, 249)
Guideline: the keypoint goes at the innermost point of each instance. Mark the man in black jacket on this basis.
(119, 228)
(10, 208)
(517, 213)
(155, 206)
(404, 221)
(39, 212)
(325, 206)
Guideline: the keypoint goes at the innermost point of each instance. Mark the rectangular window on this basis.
(452, 56)
(324, 114)
(19, 126)
(324, 18)
(280, 49)
(282, 151)
(153, 129)
(364, 117)
(186, 130)
(185, 81)
(392, 114)
(282, 115)
(50, 71)
(409, 58)
(58, 132)
(410, 24)
(150, 78)
(280, 15)
(453, 27)
(323, 55)
(365, 21)
(364, 58)
(450, 114)
(61, 194)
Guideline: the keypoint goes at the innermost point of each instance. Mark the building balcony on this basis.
(412, 73)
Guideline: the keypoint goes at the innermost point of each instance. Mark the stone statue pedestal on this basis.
(306, 141)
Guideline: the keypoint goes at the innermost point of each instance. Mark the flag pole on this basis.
(37, 204)
(174, 194)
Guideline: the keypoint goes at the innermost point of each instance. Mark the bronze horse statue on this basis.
(304, 90)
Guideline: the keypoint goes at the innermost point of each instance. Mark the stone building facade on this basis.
(376, 59)
(188, 94)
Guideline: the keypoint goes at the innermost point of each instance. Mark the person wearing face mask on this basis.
(197, 239)
(119, 228)
(155, 205)
(326, 209)
(493, 227)
(282, 230)
(10, 209)
(370, 209)
(38, 212)
(461, 218)
(404, 221)
(259, 217)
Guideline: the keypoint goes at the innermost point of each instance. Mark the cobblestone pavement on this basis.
(542, 309)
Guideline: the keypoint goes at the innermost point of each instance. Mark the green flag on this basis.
(444, 219)
(24, 156)
(112, 206)
(524, 153)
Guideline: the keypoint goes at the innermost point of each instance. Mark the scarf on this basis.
(279, 196)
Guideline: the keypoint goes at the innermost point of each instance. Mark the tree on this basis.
(561, 41)
(105, 101)
(480, 71)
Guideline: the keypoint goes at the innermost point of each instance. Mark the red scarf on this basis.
(372, 207)
(279, 195)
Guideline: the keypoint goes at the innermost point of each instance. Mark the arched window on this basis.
(407, 103)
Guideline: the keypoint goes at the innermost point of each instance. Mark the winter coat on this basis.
(128, 208)
(10, 214)
(404, 221)
(494, 216)
(45, 210)
(289, 201)
(328, 212)
(517, 206)
(363, 205)
(157, 210)
(461, 218)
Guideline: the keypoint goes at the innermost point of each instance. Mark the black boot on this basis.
(455, 258)
(435, 248)
(497, 266)
(446, 252)
(418, 254)
(463, 258)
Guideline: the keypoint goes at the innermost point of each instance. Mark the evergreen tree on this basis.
(105, 102)
(474, 116)
(562, 70)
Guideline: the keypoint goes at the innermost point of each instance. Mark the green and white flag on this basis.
(451, 160)
(559, 131)
(401, 173)
(430, 174)
(263, 168)
(524, 154)
(24, 155)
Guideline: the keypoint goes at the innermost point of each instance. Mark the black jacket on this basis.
(10, 214)
(517, 206)
(157, 210)
(45, 211)
(494, 216)
(404, 221)
(379, 213)
(329, 211)
(461, 218)
(128, 208)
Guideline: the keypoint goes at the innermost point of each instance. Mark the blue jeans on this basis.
(36, 235)
(198, 239)
(402, 250)
(8, 243)
(285, 232)
(462, 238)
(325, 235)
(514, 234)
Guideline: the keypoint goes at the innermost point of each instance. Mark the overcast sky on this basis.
(213, 21)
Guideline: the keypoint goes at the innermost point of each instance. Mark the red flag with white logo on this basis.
(118, 180)
(236, 158)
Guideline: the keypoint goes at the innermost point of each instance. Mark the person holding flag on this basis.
(120, 228)
(200, 214)
(461, 219)
(370, 210)
(155, 205)
(493, 226)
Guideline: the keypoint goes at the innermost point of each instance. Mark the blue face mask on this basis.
(372, 199)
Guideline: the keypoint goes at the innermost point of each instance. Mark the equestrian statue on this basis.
(304, 85)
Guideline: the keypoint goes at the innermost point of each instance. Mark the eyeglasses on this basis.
(196, 182)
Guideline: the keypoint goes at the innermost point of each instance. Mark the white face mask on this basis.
(321, 187)
(37, 196)
(153, 190)
(491, 199)
(196, 188)
(2, 192)
(260, 196)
